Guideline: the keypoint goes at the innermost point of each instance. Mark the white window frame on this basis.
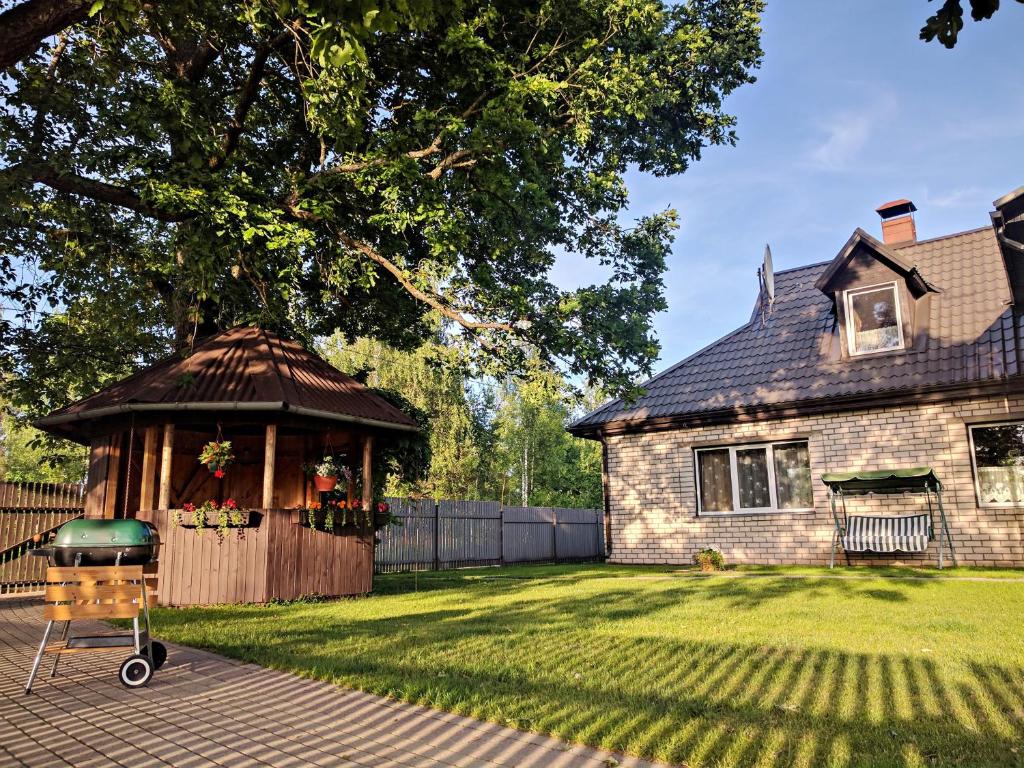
(851, 331)
(769, 448)
(974, 466)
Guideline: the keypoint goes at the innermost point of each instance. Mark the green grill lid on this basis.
(105, 533)
(882, 480)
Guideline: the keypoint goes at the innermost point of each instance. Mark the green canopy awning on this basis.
(911, 479)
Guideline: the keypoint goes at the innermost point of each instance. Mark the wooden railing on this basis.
(21, 531)
(29, 515)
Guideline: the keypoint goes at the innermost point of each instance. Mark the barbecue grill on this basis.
(96, 573)
(103, 542)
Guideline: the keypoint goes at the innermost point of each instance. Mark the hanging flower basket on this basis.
(327, 473)
(217, 456)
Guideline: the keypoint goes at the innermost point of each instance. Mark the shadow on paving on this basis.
(534, 664)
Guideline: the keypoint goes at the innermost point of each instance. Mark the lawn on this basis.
(776, 668)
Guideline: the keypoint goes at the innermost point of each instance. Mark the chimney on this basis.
(898, 222)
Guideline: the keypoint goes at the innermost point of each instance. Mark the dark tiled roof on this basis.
(782, 362)
(241, 365)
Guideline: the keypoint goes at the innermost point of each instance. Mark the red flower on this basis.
(189, 507)
(383, 507)
(230, 504)
(212, 503)
(218, 473)
(357, 504)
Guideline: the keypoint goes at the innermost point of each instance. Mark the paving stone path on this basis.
(202, 709)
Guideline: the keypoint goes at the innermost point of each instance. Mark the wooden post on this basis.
(113, 476)
(148, 481)
(268, 466)
(96, 481)
(367, 474)
(166, 455)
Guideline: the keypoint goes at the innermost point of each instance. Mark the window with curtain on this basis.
(873, 319)
(998, 453)
(754, 478)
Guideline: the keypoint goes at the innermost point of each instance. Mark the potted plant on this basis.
(227, 515)
(217, 456)
(710, 559)
(382, 515)
(326, 473)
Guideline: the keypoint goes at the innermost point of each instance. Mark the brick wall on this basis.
(653, 495)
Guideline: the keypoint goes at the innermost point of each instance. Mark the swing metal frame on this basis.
(915, 480)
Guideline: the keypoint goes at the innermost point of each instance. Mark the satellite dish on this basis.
(768, 275)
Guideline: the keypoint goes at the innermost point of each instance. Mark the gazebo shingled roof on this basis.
(245, 368)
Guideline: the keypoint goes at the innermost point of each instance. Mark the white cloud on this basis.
(845, 136)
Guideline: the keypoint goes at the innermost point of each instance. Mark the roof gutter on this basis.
(114, 410)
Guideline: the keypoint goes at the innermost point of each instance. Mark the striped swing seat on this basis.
(907, 533)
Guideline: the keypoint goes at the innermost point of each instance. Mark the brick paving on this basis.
(202, 709)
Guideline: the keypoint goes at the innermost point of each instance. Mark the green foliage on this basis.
(173, 168)
(447, 456)
(538, 462)
(709, 559)
(27, 456)
(477, 440)
(946, 23)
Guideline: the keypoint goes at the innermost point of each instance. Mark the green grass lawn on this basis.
(785, 667)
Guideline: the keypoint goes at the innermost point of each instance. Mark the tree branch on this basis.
(24, 27)
(100, 191)
(418, 294)
(246, 98)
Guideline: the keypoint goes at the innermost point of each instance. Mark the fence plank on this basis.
(452, 533)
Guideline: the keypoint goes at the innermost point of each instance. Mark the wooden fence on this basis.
(29, 514)
(431, 534)
(438, 534)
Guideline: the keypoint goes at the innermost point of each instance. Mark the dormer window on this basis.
(873, 319)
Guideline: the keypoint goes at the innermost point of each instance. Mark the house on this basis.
(896, 353)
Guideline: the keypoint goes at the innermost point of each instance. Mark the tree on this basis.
(172, 168)
(25, 457)
(537, 462)
(440, 392)
(946, 23)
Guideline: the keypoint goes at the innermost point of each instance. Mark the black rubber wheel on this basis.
(135, 671)
(159, 653)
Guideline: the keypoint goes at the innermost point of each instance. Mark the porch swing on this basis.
(887, 533)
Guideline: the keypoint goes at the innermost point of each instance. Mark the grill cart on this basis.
(105, 588)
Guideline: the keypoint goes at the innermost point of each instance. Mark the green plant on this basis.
(709, 559)
(217, 456)
(227, 515)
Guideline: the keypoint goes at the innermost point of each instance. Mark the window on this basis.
(754, 478)
(873, 319)
(998, 453)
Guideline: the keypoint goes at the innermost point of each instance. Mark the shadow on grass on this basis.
(534, 664)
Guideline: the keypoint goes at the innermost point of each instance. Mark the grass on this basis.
(790, 667)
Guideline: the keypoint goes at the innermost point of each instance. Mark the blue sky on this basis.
(849, 110)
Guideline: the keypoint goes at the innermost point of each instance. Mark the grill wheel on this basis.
(135, 671)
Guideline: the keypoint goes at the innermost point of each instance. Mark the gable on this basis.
(864, 259)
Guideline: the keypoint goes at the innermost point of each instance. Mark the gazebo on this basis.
(282, 408)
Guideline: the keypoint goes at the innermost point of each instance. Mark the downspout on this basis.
(606, 497)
